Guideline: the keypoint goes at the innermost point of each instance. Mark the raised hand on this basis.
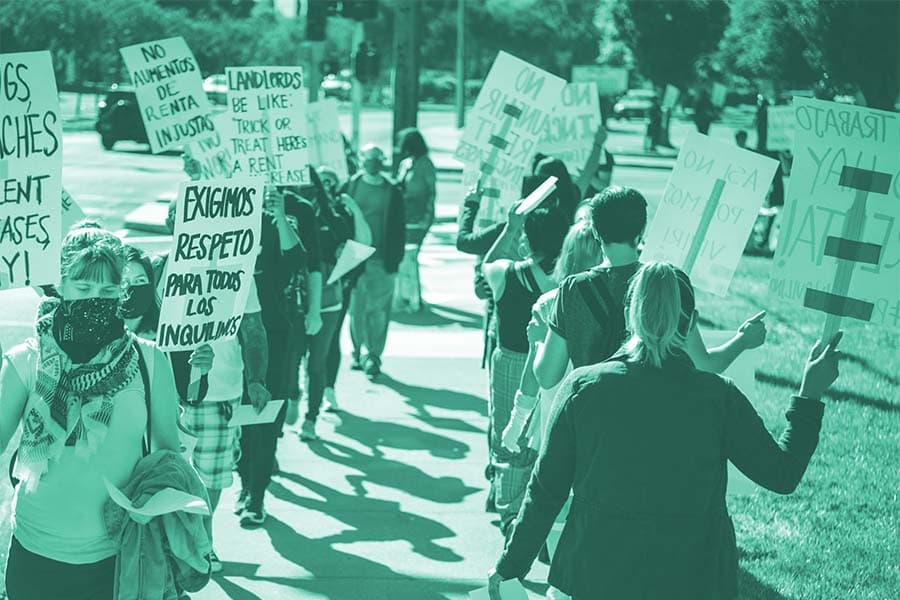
(753, 331)
(821, 368)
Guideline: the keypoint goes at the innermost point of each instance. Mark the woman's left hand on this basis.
(202, 359)
(494, 580)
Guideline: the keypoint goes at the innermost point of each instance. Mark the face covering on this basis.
(84, 327)
(136, 301)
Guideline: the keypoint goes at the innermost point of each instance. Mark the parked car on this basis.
(635, 103)
(338, 85)
(119, 117)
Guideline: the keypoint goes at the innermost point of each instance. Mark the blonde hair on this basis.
(660, 304)
(89, 252)
(580, 251)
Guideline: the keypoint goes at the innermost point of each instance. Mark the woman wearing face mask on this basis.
(77, 384)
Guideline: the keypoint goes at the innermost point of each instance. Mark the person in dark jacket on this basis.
(643, 440)
(381, 202)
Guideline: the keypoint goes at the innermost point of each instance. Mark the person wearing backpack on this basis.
(381, 203)
(78, 387)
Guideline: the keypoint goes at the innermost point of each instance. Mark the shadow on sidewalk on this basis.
(434, 315)
(377, 434)
(369, 519)
(393, 474)
(421, 398)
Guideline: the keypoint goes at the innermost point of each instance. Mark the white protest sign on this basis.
(780, 125)
(708, 209)
(71, 212)
(670, 98)
(535, 198)
(504, 128)
(169, 90)
(268, 110)
(245, 414)
(326, 145)
(719, 92)
(511, 589)
(570, 131)
(212, 150)
(839, 246)
(351, 257)
(30, 171)
(609, 81)
(743, 372)
(163, 502)
(211, 263)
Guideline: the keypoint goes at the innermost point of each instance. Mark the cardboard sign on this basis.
(211, 263)
(670, 98)
(268, 110)
(708, 209)
(743, 372)
(351, 257)
(535, 198)
(510, 116)
(213, 149)
(169, 90)
(610, 81)
(30, 171)
(780, 125)
(719, 92)
(839, 246)
(326, 144)
(71, 212)
(572, 127)
(245, 414)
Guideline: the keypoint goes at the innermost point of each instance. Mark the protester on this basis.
(644, 439)
(82, 381)
(652, 139)
(417, 179)
(704, 112)
(761, 122)
(381, 203)
(516, 285)
(588, 325)
(363, 235)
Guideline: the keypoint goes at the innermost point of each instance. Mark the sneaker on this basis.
(241, 503)
(253, 517)
(308, 431)
(331, 403)
(292, 413)
(372, 368)
(215, 563)
(355, 363)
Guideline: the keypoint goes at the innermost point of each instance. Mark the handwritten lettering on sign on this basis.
(509, 118)
(570, 130)
(268, 114)
(212, 151)
(823, 202)
(30, 171)
(169, 90)
(213, 255)
(708, 209)
(326, 144)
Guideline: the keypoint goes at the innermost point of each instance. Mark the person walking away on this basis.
(761, 122)
(417, 179)
(80, 383)
(704, 112)
(654, 126)
(381, 203)
(644, 440)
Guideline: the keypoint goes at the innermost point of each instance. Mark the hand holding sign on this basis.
(753, 331)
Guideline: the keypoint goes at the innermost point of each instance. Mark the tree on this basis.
(852, 41)
(668, 38)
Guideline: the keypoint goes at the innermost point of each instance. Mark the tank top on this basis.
(514, 308)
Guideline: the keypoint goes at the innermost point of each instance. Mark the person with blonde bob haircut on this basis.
(643, 440)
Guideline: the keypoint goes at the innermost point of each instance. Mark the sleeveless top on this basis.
(514, 308)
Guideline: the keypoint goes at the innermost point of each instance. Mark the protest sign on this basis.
(212, 151)
(535, 198)
(268, 112)
(351, 257)
(573, 125)
(169, 90)
(71, 212)
(245, 414)
(670, 98)
(326, 144)
(163, 502)
(839, 247)
(510, 116)
(213, 255)
(609, 81)
(780, 124)
(717, 97)
(708, 209)
(30, 171)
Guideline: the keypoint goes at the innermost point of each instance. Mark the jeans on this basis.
(31, 576)
(370, 309)
(316, 363)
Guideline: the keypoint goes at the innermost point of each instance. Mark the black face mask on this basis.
(82, 328)
(137, 299)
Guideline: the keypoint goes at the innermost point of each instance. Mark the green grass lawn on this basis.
(838, 536)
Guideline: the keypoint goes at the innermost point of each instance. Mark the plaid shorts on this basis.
(216, 441)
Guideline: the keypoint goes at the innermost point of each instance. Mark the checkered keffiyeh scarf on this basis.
(76, 402)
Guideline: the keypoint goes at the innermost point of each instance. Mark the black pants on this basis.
(333, 359)
(316, 363)
(287, 345)
(30, 576)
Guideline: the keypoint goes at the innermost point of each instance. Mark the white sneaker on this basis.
(331, 403)
(308, 431)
